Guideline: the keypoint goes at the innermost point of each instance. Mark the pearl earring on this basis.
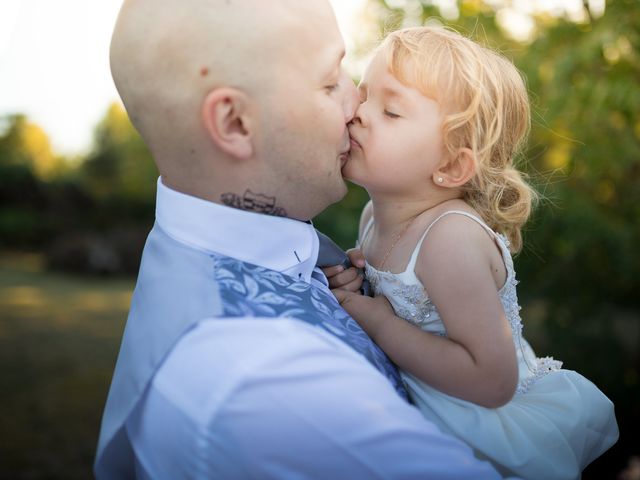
(440, 179)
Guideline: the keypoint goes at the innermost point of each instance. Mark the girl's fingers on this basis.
(354, 285)
(342, 279)
(332, 271)
(356, 257)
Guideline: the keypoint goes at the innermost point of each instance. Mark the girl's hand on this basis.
(349, 279)
(369, 312)
(356, 256)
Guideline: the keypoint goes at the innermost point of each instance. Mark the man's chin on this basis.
(348, 175)
(340, 191)
(344, 159)
(346, 170)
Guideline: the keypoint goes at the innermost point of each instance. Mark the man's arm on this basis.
(281, 399)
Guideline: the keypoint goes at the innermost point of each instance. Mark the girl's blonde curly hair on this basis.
(485, 108)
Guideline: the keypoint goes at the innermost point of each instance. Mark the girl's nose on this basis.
(358, 115)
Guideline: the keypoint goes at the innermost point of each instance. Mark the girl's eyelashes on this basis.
(391, 114)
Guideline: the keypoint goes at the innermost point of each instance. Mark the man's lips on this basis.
(353, 141)
(346, 150)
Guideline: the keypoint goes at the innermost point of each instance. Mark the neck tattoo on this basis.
(253, 202)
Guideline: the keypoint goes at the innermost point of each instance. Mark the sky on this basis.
(54, 57)
(54, 63)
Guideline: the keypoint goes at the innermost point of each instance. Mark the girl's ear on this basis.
(456, 170)
(226, 115)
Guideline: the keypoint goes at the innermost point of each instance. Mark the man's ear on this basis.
(226, 117)
(457, 169)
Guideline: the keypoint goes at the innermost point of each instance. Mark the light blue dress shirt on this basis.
(247, 398)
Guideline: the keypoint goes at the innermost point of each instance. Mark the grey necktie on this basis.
(330, 254)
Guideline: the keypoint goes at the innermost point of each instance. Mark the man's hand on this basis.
(349, 279)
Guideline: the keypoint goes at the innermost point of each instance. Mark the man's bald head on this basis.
(166, 55)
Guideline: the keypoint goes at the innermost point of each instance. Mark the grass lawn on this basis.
(59, 337)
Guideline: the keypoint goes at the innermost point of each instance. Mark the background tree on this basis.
(24, 153)
(119, 173)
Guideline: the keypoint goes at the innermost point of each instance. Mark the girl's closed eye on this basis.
(390, 114)
(331, 88)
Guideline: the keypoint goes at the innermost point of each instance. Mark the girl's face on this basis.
(396, 141)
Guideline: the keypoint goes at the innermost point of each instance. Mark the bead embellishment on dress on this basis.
(543, 366)
(416, 306)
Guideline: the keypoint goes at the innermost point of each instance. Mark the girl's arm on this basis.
(477, 361)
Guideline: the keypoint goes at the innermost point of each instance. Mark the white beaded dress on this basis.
(557, 422)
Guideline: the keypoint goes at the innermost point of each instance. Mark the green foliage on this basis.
(24, 143)
(120, 167)
(90, 216)
(585, 81)
(21, 196)
(340, 221)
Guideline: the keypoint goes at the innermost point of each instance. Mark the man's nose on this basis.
(350, 100)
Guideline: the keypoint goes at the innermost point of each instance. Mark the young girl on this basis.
(433, 142)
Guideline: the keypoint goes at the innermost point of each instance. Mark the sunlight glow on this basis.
(54, 55)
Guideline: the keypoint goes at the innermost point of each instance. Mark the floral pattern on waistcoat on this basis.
(250, 290)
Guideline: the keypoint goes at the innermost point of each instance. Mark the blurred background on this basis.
(77, 190)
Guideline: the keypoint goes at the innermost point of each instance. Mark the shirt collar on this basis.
(277, 243)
